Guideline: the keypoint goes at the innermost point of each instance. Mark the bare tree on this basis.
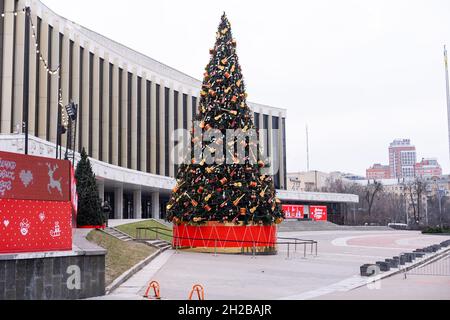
(371, 193)
(415, 190)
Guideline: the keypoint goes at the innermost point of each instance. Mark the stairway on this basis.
(118, 234)
(160, 244)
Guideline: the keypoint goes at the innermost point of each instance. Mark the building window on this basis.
(121, 106)
(194, 107)
(185, 111)
(111, 76)
(166, 131)
(49, 82)
(100, 116)
(149, 123)
(38, 75)
(176, 126)
(276, 149)
(139, 126)
(91, 100)
(266, 135)
(158, 135)
(129, 124)
(80, 102)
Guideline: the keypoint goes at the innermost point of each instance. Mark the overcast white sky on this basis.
(359, 73)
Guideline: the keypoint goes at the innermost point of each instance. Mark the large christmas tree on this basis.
(224, 191)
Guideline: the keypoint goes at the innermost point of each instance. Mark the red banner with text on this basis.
(294, 211)
(318, 213)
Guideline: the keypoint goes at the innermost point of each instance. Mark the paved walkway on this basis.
(135, 287)
(335, 270)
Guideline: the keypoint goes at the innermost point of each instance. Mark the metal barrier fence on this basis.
(436, 266)
(292, 244)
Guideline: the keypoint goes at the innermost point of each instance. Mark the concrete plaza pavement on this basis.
(335, 269)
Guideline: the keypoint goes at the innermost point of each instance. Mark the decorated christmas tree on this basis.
(233, 187)
(89, 202)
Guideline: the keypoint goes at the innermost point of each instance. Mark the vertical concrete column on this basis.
(171, 125)
(134, 120)
(156, 209)
(85, 97)
(143, 120)
(115, 114)
(96, 105)
(162, 129)
(19, 51)
(43, 79)
(124, 117)
(118, 202)
(54, 80)
(101, 190)
(65, 76)
(105, 110)
(32, 82)
(137, 204)
(8, 63)
(153, 127)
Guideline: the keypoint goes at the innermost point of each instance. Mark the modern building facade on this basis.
(378, 172)
(428, 168)
(129, 106)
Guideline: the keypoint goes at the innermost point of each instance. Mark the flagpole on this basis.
(448, 91)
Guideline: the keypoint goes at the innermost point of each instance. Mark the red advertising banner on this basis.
(318, 213)
(35, 226)
(294, 211)
(34, 178)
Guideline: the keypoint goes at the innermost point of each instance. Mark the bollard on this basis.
(156, 289)
(304, 253)
(200, 292)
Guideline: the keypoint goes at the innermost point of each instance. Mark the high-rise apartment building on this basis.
(402, 159)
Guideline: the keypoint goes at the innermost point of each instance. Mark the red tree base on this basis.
(226, 238)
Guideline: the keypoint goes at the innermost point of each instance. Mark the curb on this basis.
(401, 270)
(131, 272)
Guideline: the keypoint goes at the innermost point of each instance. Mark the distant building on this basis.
(316, 181)
(402, 159)
(378, 172)
(428, 168)
(312, 181)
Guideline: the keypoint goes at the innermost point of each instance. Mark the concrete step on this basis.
(118, 234)
(160, 244)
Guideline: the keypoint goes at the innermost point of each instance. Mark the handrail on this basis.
(295, 242)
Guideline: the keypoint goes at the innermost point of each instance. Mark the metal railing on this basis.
(426, 265)
(290, 243)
